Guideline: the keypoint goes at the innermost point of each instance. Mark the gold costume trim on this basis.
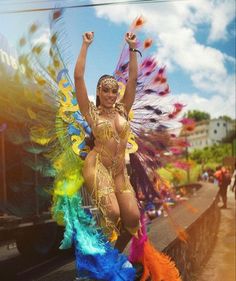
(103, 187)
(104, 176)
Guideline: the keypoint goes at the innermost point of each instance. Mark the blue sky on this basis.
(195, 39)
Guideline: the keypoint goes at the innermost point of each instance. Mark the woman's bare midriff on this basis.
(90, 160)
(113, 157)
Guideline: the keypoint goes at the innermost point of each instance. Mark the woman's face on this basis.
(108, 92)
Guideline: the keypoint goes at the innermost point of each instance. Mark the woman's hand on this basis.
(130, 38)
(88, 37)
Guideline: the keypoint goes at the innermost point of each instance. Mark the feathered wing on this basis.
(31, 103)
(40, 103)
(20, 99)
(154, 111)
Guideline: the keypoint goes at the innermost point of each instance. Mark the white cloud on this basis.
(174, 27)
(223, 85)
(216, 105)
(222, 15)
(216, 13)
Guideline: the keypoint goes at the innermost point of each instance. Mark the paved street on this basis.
(221, 264)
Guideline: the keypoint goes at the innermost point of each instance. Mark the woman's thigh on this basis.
(100, 185)
(127, 201)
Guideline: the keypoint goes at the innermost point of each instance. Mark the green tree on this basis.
(198, 115)
(231, 139)
(226, 118)
(212, 154)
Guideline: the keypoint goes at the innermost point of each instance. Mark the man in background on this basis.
(223, 177)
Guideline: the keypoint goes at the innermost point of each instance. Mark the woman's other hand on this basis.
(130, 38)
(88, 37)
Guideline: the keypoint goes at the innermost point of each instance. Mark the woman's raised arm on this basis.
(80, 87)
(130, 89)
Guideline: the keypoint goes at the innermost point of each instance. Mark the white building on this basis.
(208, 132)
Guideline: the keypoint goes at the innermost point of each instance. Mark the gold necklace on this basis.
(108, 111)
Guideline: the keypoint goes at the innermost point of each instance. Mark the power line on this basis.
(90, 5)
(9, 2)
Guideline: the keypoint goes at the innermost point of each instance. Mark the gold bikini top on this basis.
(103, 129)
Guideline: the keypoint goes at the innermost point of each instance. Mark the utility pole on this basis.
(188, 126)
(187, 158)
(36, 183)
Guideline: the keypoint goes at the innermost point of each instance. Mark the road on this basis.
(221, 264)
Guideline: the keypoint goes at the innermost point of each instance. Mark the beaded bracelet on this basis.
(135, 50)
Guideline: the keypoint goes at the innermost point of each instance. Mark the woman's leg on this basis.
(130, 219)
(100, 186)
(129, 211)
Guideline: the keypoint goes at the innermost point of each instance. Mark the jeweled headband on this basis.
(109, 82)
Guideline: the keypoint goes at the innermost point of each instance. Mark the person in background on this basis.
(223, 177)
(211, 175)
(205, 176)
(232, 184)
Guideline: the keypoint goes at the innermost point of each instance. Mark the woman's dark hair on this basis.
(97, 101)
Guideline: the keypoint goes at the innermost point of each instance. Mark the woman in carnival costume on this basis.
(104, 169)
(55, 130)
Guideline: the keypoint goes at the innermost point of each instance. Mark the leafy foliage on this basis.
(198, 115)
(179, 176)
(209, 157)
(212, 154)
(226, 118)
